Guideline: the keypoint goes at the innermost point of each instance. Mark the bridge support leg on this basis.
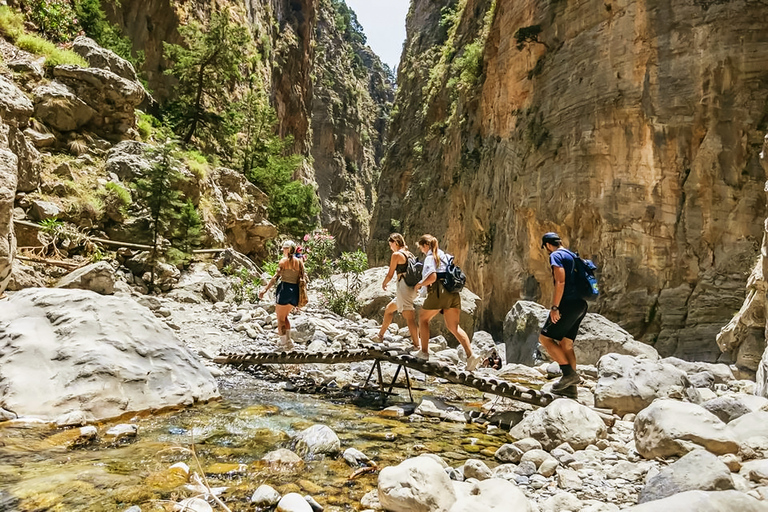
(407, 381)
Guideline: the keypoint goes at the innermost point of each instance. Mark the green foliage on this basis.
(147, 125)
(188, 229)
(122, 195)
(469, 65)
(346, 22)
(157, 193)
(51, 226)
(245, 285)
(344, 300)
(94, 22)
(207, 64)
(11, 23)
(318, 247)
(55, 19)
(197, 163)
(294, 207)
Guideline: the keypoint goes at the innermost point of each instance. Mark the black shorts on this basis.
(572, 312)
(287, 293)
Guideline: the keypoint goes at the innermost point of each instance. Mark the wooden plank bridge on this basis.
(379, 353)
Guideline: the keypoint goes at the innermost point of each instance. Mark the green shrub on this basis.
(94, 22)
(54, 56)
(120, 193)
(197, 163)
(11, 23)
(55, 19)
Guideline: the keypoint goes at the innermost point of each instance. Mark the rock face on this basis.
(583, 130)
(15, 111)
(744, 336)
(597, 336)
(628, 385)
(348, 135)
(330, 93)
(68, 351)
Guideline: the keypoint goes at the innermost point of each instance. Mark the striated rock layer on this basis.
(630, 127)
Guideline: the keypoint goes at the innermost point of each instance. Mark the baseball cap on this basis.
(549, 238)
(288, 244)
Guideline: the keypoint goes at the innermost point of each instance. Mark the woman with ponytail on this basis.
(404, 294)
(290, 269)
(439, 300)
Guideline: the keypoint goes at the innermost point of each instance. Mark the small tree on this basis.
(207, 63)
(156, 191)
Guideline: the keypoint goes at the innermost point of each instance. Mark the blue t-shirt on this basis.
(564, 259)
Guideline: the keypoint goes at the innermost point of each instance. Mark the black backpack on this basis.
(413, 269)
(453, 279)
(586, 281)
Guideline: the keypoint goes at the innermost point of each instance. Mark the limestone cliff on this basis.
(631, 127)
(331, 94)
(352, 97)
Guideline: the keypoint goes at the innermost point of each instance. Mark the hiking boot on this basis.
(566, 381)
(285, 343)
(472, 362)
(424, 356)
(569, 392)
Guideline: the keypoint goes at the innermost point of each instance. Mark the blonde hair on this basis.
(398, 239)
(431, 242)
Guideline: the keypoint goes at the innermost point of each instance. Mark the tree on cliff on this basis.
(206, 65)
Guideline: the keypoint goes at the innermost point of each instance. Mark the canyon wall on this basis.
(632, 128)
(330, 93)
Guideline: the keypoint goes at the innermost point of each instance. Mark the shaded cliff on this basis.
(330, 92)
(353, 94)
(632, 128)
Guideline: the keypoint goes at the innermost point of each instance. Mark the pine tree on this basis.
(156, 189)
(207, 63)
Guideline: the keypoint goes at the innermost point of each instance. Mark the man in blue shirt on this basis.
(567, 312)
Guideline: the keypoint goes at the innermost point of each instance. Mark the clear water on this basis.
(39, 470)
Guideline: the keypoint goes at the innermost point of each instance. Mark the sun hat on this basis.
(549, 238)
(288, 244)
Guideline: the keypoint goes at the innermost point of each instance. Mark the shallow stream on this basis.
(40, 470)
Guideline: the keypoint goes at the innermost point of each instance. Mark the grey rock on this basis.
(97, 277)
(698, 470)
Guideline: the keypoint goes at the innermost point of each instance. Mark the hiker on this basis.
(567, 312)
(289, 270)
(404, 294)
(439, 300)
(493, 361)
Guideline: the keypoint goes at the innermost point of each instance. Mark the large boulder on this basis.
(98, 57)
(703, 501)
(58, 107)
(70, 351)
(416, 485)
(98, 277)
(111, 96)
(128, 160)
(492, 495)
(668, 428)
(373, 300)
(562, 421)
(730, 407)
(698, 470)
(722, 373)
(628, 385)
(597, 336)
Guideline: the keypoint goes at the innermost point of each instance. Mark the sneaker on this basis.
(566, 381)
(472, 362)
(424, 356)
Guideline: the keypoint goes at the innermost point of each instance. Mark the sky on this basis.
(384, 24)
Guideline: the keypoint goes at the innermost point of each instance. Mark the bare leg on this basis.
(566, 345)
(424, 317)
(554, 350)
(389, 313)
(283, 324)
(452, 322)
(410, 318)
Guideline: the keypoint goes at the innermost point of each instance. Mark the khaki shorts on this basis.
(404, 296)
(439, 298)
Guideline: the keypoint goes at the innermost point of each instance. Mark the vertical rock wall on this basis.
(744, 336)
(352, 96)
(15, 111)
(630, 127)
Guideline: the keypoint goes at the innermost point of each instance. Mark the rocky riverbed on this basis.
(685, 436)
